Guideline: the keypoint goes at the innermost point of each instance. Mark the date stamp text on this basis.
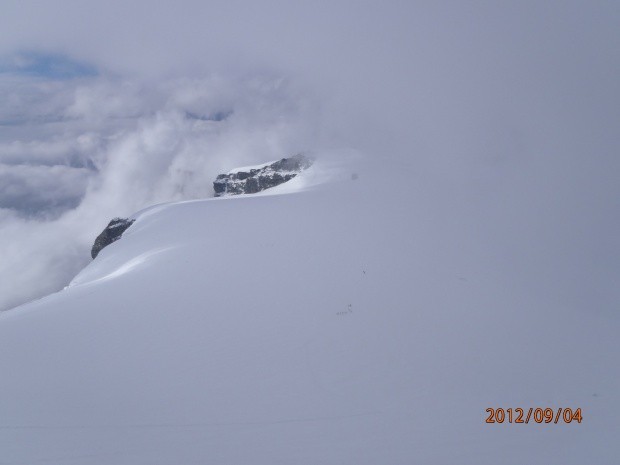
(534, 415)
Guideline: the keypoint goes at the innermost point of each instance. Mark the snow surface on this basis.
(349, 323)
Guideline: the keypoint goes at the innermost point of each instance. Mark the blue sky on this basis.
(45, 66)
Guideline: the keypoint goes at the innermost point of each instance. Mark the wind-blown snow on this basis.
(321, 326)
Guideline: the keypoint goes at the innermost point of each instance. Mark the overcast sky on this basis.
(517, 100)
(419, 69)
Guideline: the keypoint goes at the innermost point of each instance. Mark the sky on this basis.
(109, 107)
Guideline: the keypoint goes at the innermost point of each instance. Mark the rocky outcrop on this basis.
(113, 232)
(256, 179)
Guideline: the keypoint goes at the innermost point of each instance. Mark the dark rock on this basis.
(258, 179)
(113, 232)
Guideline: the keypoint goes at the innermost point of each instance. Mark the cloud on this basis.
(502, 100)
(43, 191)
(119, 145)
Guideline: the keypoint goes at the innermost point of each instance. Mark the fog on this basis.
(119, 146)
(110, 107)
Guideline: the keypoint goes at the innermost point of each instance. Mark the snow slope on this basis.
(351, 323)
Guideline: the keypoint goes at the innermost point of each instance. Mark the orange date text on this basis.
(533, 415)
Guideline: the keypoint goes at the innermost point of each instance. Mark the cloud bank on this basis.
(111, 146)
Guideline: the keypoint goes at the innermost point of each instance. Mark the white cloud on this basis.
(507, 100)
(119, 146)
(44, 191)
